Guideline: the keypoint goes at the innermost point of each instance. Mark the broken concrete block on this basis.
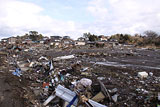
(142, 74)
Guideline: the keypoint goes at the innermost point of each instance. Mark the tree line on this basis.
(149, 37)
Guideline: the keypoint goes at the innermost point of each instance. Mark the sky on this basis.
(75, 17)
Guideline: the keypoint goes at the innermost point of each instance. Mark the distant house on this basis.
(55, 38)
(103, 38)
(81, 39)
(45, 38)
(66, 37)
(12, 40)
(41, 41)
(91, 43)
(80, 43)
(28, 41)
(5, 40)
(114, 42)
(56, 44)
(67, 42)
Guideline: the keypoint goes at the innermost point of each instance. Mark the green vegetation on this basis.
(90, 37)
(149, 38)
(34, 36)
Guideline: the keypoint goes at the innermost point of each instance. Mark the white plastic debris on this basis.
(50, 98)
(101, 78)
(115, 97)
(63, 57)
(26, 50)
(43, 58)
(66, 94)
(14, 56)
(74, 82)
(51, 65)
(142, 74)
(159, 96)
(95, 104)
(31, 64)
(86, 82)
(150, 73)
(85, 69)
(67, 75)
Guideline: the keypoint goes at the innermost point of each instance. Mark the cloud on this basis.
(17, 18)
(125, 16)
(104, 17)
(98, 9)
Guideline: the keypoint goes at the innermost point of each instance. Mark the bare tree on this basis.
(151, 34)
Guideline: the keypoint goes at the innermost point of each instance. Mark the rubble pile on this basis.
(91, 78)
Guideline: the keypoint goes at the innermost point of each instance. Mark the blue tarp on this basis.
(17, 72)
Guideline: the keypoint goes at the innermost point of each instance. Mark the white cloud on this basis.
(111, 16)
(17, 18)
(98, 8)
(126, 16)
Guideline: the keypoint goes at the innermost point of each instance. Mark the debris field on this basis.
(93, 77)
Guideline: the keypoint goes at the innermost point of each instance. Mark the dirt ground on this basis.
(119, 67)
(11, 91)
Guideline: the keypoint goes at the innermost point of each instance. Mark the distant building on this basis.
(66, 37)
(41, 41)
(103, 38)
(5, 40)
(80, 43)
(55, 38)
(12, 40)
(45, 38)
(67, 42)
(113, 40)
(28, 41)
(81, 39)
(91, 43)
